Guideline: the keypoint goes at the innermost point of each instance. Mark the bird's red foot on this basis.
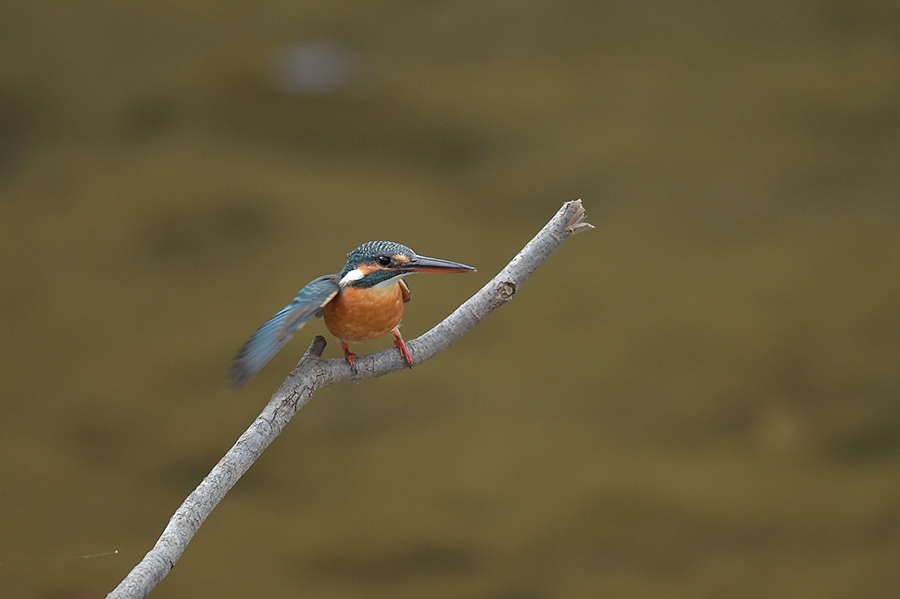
(401, 345)
(349, 355)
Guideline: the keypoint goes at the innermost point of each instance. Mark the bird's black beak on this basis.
(426, 264)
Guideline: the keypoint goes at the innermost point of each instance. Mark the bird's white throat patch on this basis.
(386, 283)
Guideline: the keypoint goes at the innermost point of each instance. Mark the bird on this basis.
(363, 301)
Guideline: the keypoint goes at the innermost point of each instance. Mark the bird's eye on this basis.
(383, 260)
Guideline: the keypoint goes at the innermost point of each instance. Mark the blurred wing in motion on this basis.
(272, 336)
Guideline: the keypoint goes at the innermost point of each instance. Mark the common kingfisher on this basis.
(362, 302)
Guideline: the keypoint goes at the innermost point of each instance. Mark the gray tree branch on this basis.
(313, 373)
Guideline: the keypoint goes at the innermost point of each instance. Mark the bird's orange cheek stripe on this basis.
(358, 314)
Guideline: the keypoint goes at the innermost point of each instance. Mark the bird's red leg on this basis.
(351, 357)
(401, 345)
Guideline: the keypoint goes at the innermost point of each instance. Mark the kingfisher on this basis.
(362, 302)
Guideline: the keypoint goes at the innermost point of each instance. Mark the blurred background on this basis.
(697, 399)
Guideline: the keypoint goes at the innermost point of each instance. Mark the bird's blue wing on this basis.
(274, 334)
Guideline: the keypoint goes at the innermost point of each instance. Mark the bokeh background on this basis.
(697, 399)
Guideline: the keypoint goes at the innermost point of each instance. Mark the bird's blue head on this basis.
(375, 262)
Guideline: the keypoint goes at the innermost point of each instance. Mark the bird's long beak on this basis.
(426, 264)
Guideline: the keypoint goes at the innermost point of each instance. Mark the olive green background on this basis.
(697, 399)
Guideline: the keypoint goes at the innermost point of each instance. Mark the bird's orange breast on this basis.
(360, 314)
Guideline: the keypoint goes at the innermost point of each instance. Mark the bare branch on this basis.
(313, 373)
